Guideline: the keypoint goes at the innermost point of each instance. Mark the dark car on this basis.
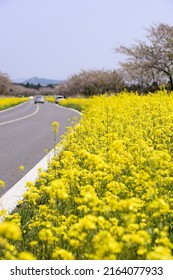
(58, 98)
(39, 99)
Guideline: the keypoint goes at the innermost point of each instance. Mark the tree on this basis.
(4, 84)
(91, 82)
(152, 61)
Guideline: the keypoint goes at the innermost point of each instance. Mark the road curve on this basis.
(26, 134)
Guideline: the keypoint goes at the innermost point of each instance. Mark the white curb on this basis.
(10, 199)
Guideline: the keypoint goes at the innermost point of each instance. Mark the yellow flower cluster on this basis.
(9, 232)
(109, 193)
(7, 102)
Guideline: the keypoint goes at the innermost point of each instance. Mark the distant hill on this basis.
(42, 81)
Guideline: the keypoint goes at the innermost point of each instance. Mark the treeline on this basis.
(93, 82)
(7, 88)
(148, 65)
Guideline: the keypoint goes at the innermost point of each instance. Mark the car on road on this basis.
(39, 99)
(58, 98)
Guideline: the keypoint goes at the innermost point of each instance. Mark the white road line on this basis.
(22, 118)
(11, 108)
(74, 110)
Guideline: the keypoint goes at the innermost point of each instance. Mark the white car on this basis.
(39, 99)
(58, 98)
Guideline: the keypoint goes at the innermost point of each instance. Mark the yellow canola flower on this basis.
(21, 168)
(106, 247)
(26, 256)
(132, 204)
(59, 189)
(15, 218)
(61, 254)
(141, 250)
(141, 237)
(160, 253)
(33, 243)
(89, 222)
(55, 127)
(47, 235)
(10, 230)
(2, 184)
(159, 204)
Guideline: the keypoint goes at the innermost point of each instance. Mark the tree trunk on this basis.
(171, 82)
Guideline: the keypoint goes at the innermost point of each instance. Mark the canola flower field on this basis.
(109, 193)
(7, 102)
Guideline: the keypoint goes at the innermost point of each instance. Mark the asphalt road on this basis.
(25, 135)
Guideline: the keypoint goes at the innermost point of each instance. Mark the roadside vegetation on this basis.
(10, 102)
(74, 103)
(50, 99)
(108, 194)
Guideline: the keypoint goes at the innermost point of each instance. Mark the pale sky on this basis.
(58, 38)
